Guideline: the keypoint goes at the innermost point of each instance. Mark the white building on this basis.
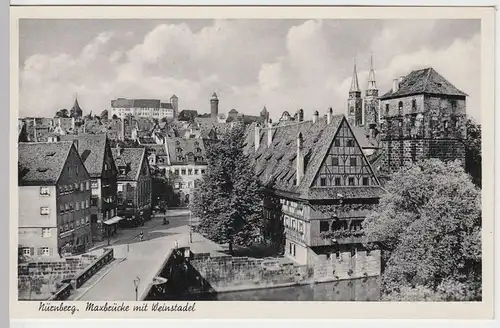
(151, 108)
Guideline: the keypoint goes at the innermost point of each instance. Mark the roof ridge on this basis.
(66, 158)
(427, 78)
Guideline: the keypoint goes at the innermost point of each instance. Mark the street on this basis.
(152, 229)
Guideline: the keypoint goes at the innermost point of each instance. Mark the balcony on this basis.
(341, 236)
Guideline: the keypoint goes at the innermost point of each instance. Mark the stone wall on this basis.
(39, 280)
(226, 273)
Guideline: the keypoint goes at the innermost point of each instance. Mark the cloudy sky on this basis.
(280, 64)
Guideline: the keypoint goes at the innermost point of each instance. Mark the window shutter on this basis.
(32, 251)
(39, 251)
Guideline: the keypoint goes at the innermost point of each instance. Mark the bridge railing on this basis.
(64, 292)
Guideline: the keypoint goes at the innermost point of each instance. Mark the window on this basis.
(290, 248)
(353, 161)
(87, 219)
(202, 171)
(190, 184)
(324, 226)
(44, 211)
(176, 186)
(453, 105)
(94, 184)
(293, 249)
(78, 206)
(46, 232)
(176, 172)
(196, 171)
(190, 172)
(365, 181)
(400, 108)
(44, 191)
(350, 143)
(414, 104)
(386, 109)
(335, 161)
(82, 186)
(337, 181)
(106, 167)
(87, 203)
(183, 172)
(76, 170)
(351, 181)
(77, 222)
(69, 170)
(27, 251)
(70, 206)
(119, 187)
(44, 251)
(87, 185)
(337, 142)
(322, 182)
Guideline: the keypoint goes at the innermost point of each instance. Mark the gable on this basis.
(344, 163)
(144, 171)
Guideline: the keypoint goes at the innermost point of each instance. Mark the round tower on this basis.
(214, 106)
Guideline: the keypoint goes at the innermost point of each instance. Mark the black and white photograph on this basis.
(194, 160)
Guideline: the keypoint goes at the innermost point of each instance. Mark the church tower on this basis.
(355, 103)
(371, 102)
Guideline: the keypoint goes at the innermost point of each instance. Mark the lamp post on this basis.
(190, 229)
(137, 281)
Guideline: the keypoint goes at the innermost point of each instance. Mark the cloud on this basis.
(280, 64)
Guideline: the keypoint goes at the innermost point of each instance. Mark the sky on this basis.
(280, 64)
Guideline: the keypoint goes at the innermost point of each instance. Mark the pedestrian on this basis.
(141, 236)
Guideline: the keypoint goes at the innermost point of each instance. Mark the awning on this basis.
(113, 220)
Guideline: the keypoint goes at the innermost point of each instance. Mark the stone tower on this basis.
(76, 111)
(355, 103)
(423, 116)
(174, 101)
(371, 102)
(214, 106)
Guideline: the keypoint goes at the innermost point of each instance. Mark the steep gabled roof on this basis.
(424, 81)
(180, 147)
(132, 158)
(91, 149)
(275, 165)
(41, 163)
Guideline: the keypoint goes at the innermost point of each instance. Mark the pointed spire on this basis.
(354, 82)
(372, 84)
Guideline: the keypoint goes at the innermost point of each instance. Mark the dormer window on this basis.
(179, 150)
(386, 109)
(453, 105)
(198, 150)
(414, 104)
(400, 108)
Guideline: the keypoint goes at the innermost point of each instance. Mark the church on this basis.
(323, 177)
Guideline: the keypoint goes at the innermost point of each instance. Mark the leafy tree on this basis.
(62, 113)
(473, 151)
(229, 198)
(428, 225)
(114, 117)
(104, 115)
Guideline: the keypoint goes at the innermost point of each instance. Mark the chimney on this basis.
(75, 142)
(301, 115)
(401, 78)
(395, 85)
(34, 130)
(73, 123)
(329, 115)
(269, 133)
(315, 117)
(257, 137)
(300, 158)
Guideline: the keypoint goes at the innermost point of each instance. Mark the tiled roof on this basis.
(166, 105)
(131, 158)
(147, 103)
(427, 81)
(91, 149)
(122, 103)
(180, 147)
(276, 165)
(363, 140)
(42, 162)
(159, 150)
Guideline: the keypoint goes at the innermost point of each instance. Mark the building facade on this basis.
(54, 198)
(152, 108)
(319, 184)
(95, 152)
(186, 162)
(134, 185)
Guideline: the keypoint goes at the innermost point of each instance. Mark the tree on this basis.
(62, 113)
(428, 225)
(104, 115)
(473, 151)
(228, 199)
(114, 117)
